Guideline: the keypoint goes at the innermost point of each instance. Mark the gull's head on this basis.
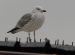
(38, 9)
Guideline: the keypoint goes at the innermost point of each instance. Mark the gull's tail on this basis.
(13, 31)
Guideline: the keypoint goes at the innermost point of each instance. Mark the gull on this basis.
(30, 22)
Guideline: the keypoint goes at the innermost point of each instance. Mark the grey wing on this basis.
(24, 20)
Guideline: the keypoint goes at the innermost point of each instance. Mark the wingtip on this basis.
(8, 32)
(11, 32)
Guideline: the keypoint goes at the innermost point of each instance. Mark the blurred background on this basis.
(59, 22)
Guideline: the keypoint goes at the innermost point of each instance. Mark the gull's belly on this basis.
(33, 25)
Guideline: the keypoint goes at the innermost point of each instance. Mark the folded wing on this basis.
(23, 21)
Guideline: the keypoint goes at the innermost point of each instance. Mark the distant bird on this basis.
(30, 21)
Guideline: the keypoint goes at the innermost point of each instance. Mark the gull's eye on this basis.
(38, 8)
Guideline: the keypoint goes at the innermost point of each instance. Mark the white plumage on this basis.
(30, 21)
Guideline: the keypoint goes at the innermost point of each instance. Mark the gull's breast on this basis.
(34, 24)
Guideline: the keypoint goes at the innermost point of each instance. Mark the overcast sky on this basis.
(59, 23)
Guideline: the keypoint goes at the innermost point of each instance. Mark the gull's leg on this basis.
(29, 36)
(34, 37)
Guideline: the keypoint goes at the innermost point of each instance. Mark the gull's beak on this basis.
(44, 11)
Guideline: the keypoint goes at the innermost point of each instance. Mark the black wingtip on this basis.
(8, 32)
(11, 32)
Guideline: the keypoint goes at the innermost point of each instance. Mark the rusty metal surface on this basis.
(20, 53)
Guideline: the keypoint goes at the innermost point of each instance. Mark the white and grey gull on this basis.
(30, 22)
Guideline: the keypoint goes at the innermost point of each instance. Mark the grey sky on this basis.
(59, 24)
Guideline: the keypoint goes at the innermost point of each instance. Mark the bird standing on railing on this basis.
(30, 21)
